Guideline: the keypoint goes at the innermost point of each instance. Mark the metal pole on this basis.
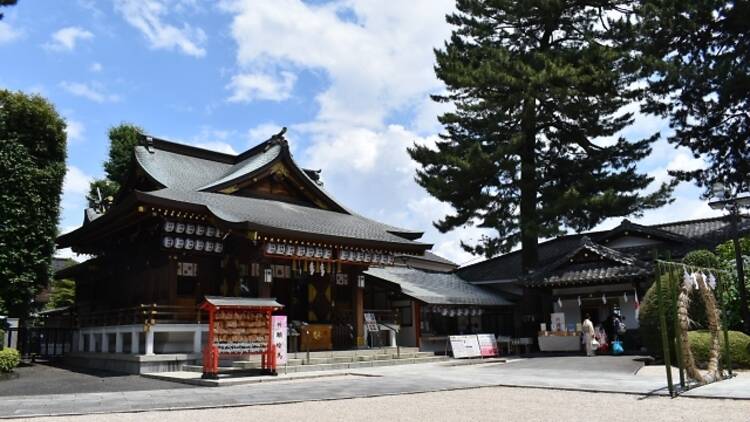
(741, 288)
(663, 327)
(722, 288)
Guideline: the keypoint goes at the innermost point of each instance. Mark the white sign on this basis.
(557, 321)
(465, 346)
(279, 338)
(487, 345)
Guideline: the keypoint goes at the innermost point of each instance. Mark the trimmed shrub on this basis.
(739, 347)
(648, 316)
(9, 359)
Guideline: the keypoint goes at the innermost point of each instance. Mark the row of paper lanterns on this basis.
(191, 229)
(314, 252)
(190, 244)
(454, 312)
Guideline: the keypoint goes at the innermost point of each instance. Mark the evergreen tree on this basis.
(122, 140)
(698, 65)
(538, 88)
(32, 168)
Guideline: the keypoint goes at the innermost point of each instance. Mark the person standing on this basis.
(588, 335)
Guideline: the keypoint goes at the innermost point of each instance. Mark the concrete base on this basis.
(131, 364)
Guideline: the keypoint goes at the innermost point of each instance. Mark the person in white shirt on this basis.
(588, 335)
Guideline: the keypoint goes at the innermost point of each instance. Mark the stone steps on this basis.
(331, 363)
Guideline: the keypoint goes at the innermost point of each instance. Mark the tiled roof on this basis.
(708, 230)
(437, 288)
(611, 266)
(266, 214)
(592, 273)
(682, 236)
(187, 175)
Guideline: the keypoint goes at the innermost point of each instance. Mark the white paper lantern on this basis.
(200, 244)
(281, 249)
(167, 241)
(290, 250)
(210, 231)
(327, 253)
(189, 244)
(169, 226)
(179, 243)
(180, 228)
(200, 230)
(190, 229)
(270, 248)
(219, 247)
(301, 250)
(209, 246)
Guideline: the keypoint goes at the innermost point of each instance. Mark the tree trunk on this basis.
(528, 217)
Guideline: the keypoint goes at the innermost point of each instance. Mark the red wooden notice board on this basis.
(239, 326)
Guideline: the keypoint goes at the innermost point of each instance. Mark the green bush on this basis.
(739, 347)
(648, 316)
(9, 359)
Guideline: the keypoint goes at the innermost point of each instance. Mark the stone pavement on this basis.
(601, 374)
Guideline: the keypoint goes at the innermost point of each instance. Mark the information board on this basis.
(371, 323)
(279, 338)
(465, 346)
(487, 345)
(240, 332)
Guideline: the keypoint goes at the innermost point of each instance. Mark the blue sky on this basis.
(350, 79)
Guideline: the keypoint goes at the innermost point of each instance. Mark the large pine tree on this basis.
(698, 63)
(538, 87)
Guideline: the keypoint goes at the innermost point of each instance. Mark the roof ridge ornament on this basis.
(278, 139)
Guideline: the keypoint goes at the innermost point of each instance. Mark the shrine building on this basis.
(191, 223)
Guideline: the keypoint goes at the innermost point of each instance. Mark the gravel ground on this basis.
(48, 379)
(492, 403)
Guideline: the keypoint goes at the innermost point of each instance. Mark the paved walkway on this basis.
(571, 373)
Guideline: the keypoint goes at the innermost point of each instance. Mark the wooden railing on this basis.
(150, 314)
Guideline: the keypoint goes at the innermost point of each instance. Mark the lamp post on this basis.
(726, 202)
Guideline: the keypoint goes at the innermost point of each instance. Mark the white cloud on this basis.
(76, 182)
(378, 58)
(75, 130)
(66, 38)
(247, 87)
(148, 17)
(8, 33)
(96, 67)
(262, 132)
(214, 140)
(93, 91)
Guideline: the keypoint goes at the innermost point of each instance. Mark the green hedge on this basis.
(9, 359)
(739, 347)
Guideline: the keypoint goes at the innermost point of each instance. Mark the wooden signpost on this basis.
(239, 326)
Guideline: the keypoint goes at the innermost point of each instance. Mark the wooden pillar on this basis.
(358, 306)
(417, 321)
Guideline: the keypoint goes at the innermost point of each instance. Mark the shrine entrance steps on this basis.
(332, 360)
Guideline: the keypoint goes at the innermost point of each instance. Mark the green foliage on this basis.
(702, 258)
(62, 293)
(696, 61)
(104, 187)
(32, 168)
(535, 85)
(9, 359)
(731, 295)
(739, 347)
(122, 140)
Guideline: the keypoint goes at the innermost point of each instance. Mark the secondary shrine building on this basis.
(191, 223)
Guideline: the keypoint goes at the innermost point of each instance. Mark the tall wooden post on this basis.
(358, 306)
